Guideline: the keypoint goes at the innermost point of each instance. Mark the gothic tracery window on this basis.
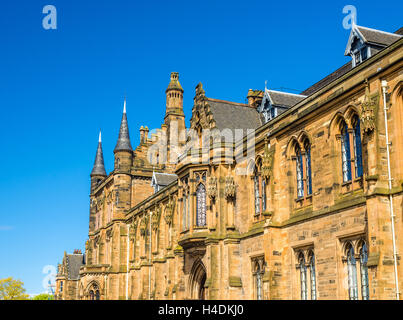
(201, 205)
(307, 274)
(259, 189)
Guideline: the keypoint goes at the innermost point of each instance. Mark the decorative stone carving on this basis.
(143, 225)
(267, 161)
(212, 187)
(155, 218)
(229, 190)
(169, 210)
(368, 112)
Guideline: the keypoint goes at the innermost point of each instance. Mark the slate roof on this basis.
(163, 179)
(378, 37)
(284, 98)
(328, 79)
(371, 35)
(123, 143)
(74, 262)
(233, 115)
(99, 167)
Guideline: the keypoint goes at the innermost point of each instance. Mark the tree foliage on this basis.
(11, 289)
(43, 296)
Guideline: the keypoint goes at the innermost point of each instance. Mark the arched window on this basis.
(345, 152)
(357, 147)
(352, 273)
(312, 273)
(97, 295)
(307, 147)
(364, 271)
(201, 220)
(92, 296)
(302, 272)
(299, 171)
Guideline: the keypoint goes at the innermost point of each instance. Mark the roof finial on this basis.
(265, 85)
(124, 106)
(99, 139)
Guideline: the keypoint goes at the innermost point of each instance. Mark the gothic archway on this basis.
(198, 281)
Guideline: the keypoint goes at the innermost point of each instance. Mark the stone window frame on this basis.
(258, 265)
(348, 118)
(306, 252)
(356, 243)
(200, 178)
(301, 143)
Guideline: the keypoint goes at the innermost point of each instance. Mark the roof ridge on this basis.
(283, 92)
(230, 102)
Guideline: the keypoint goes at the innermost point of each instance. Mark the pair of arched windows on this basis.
(307, 274)
(346, 155)
(259, 187)
(303, 169)
(354, 258)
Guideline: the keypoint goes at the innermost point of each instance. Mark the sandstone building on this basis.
(316, 213)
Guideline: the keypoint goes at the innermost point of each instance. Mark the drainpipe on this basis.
(127, 262)
(149, 268)
(384, 85)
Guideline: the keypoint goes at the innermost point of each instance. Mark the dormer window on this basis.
(276, 102)
(365, 42)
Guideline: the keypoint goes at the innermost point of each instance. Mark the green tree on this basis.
(11, 289)
(43, 296)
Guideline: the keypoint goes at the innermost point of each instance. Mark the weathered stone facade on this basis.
(145, 245)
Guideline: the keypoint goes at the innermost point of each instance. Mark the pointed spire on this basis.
(99, 167)
(123, 143)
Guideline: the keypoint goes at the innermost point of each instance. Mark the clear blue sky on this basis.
(59, 87)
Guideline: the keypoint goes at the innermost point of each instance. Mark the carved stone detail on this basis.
(368, 112)
(267, 161)
(229, 190)
(169, 211)
(212, 187)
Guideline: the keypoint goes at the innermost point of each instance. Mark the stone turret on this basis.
(123, 163)
(174, 115)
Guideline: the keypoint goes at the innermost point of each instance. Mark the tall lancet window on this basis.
(299, 170)
(201, 205)
(307, 147)
(264, 195)
(364, 272)
(302, 273)
(352, 273)
(345, 153)
(357, 147)
(256, 188)
(312, 272)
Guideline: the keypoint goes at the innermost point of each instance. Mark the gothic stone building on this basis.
(315, 214)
